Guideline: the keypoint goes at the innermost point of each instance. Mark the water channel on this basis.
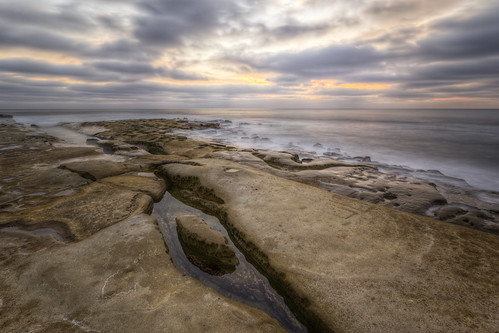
(246, 284)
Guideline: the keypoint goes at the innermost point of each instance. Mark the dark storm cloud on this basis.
(14, 89)
(456, 38)
(62, 17)
(28, 66)
(49, 41)
(143, 69)
(151, 88)
(328, 61)
(458, 55)
(123, 49)
(455, 56)
(125, 67)
(459, 71)
(160, 30)
(168, 22)
(35, 38)
(97, 71)
(110, 22)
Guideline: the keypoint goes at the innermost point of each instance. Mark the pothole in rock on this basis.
(245, 284)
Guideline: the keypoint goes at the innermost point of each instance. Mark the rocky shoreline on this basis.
(79, 251)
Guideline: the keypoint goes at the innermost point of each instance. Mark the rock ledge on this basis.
(204, 247)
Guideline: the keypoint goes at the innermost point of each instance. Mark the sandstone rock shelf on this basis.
(78, 254)
(77, 232)
(348, 265)
(245, 284)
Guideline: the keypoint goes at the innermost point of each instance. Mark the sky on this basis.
(249, 54)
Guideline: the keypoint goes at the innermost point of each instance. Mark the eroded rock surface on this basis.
(28, 169)
(348, 265)
(77, 255)
(365, 182)
(360, 179)
(99, 168)
(120, 279)
(204, 247)
(147, 183)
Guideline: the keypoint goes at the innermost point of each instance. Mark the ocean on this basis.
(452, 145)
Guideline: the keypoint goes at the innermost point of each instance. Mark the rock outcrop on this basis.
(120, 279)
(347, 265)
(146, 183)
(79, 255)
(99, 168)
(204, 247)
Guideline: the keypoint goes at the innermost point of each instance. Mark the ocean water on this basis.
(461, 144)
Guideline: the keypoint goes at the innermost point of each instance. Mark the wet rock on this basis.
(204, 247)
(389, 196)
(37, 187)
(95, 207)
(413, 197)
(448, 212)
(99, 168)
(367, 196)
(332, 154)
(28, 169)
(121, 279)
(71, 243)
(351, 266)
(291, 162)
(475, 218)
(362, 158)
(155, 135)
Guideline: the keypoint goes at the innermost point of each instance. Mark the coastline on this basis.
(358, 177)
(282, 223)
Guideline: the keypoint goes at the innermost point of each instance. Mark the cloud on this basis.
(324, 62)
(125, 67)
(294, 30)
(37, 39)
(27, 66)
(168, 22)
(97, 71)
(66, 18)
(142, 69)
(420, 50)
(392, 7)
(461, 38)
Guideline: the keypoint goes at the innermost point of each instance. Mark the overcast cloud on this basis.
(249, 53)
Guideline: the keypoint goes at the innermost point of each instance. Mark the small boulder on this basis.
(204, 247)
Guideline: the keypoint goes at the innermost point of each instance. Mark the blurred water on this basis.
(459, 143)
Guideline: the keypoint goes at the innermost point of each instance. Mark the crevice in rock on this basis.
(252, 298)
(189, 191)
